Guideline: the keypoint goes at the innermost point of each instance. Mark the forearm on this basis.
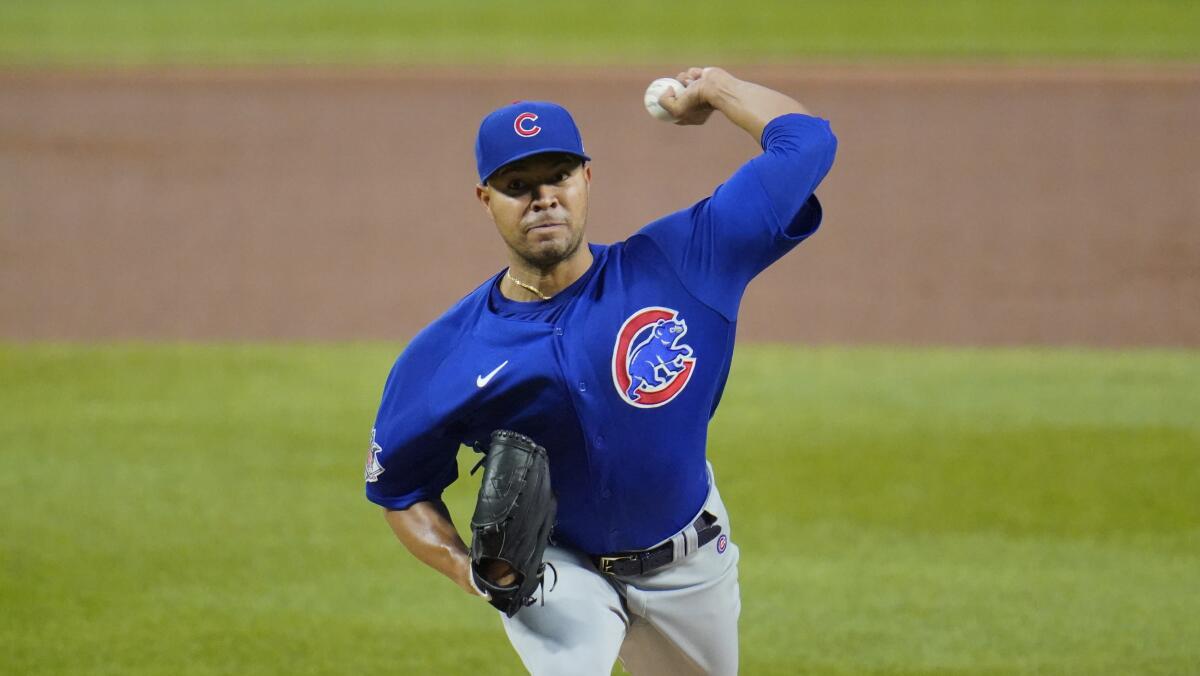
(427, 531)
(748, 105)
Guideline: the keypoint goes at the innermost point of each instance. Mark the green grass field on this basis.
(198, 510)
(89, 32)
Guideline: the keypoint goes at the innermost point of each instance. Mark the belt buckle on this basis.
(606, 562)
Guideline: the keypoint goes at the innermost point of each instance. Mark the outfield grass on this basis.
(198, 510)
(621, 31)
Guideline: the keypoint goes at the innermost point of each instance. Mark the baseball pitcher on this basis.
(586, 374)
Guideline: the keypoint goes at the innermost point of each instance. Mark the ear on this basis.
(484, 195)
(587, 172)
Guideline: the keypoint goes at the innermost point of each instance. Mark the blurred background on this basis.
(960, 434)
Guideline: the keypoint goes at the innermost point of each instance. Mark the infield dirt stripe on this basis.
(969, 204)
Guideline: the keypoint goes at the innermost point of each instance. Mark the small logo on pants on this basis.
(722, 543)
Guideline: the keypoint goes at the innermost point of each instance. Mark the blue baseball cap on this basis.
(522, 129)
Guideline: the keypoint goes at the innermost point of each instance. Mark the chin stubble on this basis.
(550, 258)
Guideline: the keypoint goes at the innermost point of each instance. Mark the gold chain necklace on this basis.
(523, 285)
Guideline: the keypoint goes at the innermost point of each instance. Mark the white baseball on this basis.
(657, 89)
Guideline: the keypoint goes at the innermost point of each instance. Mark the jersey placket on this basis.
(583, 393)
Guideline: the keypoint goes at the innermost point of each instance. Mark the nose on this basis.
(544, 197)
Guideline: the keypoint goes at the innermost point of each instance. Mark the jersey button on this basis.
(558, 331)
(582, 386)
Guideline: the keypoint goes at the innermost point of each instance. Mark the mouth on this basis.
(544, 226)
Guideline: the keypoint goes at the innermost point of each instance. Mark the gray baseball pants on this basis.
(680, 619)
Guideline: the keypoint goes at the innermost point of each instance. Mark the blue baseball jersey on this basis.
(619, 373)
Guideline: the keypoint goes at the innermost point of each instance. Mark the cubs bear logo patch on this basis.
(651, 363)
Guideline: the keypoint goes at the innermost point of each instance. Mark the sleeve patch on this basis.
(374, 467)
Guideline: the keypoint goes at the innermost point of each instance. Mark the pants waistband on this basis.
(684, 543)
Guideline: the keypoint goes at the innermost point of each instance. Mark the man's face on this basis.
(539, 205)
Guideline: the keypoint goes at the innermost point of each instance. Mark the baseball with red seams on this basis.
(657, 89)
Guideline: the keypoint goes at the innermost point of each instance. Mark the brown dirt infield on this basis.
(975, 205)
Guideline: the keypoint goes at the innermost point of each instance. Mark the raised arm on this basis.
(748, 105)
(767, 206)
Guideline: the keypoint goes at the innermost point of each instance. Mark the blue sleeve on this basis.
(412, 456)
(763, 211)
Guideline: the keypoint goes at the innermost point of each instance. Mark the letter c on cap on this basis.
(521, 129)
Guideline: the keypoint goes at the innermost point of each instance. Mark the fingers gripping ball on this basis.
(656, 90)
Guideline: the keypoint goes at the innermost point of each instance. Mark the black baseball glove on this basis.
(513, 518)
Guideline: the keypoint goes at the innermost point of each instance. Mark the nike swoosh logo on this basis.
(480, 381)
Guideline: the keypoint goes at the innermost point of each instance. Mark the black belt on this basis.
(645, 560)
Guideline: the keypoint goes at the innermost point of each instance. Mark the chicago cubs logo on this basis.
(722, 543)
(651, 364)
(523, 129)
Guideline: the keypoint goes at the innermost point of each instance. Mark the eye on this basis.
(517, 185)
(563, 175)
